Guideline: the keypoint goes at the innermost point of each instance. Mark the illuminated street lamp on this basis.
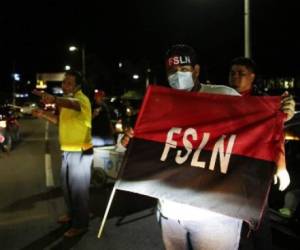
(135, 76)
(16, 77)
(67, 67)
(82, 49)
(72, 48)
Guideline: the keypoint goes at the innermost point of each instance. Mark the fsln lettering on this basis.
(191, 134)
(179, 60)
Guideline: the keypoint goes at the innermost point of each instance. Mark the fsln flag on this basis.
(211, 151)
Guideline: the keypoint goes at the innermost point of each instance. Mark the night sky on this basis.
(35, 35)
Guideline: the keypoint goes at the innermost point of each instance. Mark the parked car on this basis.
(9, 128)
(27, 107)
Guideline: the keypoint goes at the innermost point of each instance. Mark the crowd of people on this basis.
(82, 125)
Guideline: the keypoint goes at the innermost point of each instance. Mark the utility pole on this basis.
(13, 83)
(81, 50)
(83, 61)
(247, 37)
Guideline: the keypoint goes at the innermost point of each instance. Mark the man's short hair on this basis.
(77, 75)
(182, 50)
(244, 61)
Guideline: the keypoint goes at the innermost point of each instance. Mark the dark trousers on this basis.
(260, 239)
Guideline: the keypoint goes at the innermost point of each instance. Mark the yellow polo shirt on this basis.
(75, 126)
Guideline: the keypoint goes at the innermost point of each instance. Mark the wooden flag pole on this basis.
(108, 208)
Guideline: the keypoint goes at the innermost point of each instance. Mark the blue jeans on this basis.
(75, 178)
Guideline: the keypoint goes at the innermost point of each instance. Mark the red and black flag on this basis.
(211, 151)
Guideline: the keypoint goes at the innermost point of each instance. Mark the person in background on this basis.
(242, 75)
(102, 129)
(74, 126)
(291, 203)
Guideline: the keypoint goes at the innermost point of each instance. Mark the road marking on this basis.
(21, 218)
(47, 131)
(48, 161)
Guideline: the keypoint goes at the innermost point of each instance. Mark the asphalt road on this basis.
(29, 209)
(31, 201)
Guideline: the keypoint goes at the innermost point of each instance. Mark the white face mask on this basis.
(181, 80)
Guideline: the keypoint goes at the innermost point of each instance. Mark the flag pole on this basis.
(108, 208)
(114, 191)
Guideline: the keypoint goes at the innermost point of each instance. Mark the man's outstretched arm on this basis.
(49, 116)
(61, 102)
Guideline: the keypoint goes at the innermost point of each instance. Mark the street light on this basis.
(16, 77)
(82, 49)
(67, 67)
(72, 48)
(135, 76)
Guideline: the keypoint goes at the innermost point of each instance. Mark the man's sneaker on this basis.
(73, 232)
(64, 219)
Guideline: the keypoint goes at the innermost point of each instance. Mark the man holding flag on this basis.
(192, 220)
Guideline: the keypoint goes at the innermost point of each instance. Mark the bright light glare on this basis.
(119, 127)
(16, 77)
(120, 65)
(67, 67)
(73, 48)
(135, 76)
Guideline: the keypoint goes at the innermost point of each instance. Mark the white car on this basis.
(27, 108)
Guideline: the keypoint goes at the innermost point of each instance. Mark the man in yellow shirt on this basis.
(74, 126)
